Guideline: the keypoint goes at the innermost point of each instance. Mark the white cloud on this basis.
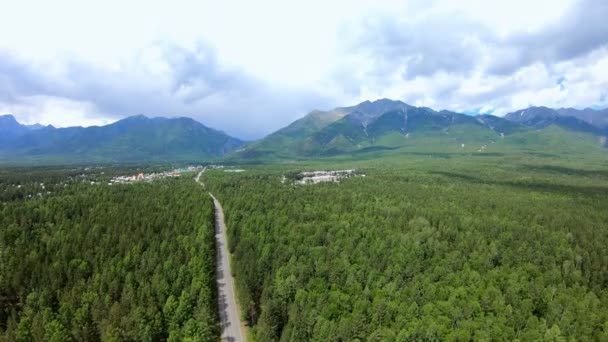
(48, 110)
(473, 58)
(251, 67)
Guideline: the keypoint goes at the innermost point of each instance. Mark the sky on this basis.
(251, 67)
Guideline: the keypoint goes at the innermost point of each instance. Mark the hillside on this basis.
(134, 139)
(288, 141)
(11, 129)
(281, 142)
(387, 126)
(366, 130)
(598, 118)
(541, 117)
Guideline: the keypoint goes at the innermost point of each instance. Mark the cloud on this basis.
(580, 31)
(250, 73)
(446, 57)
(420, 47)
(452, 41)
(561, 81)
(17, 78)
(163, 80)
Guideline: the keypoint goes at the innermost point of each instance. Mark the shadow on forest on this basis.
(532, 185)
(563, 170)
(542, 154)
(374, 149)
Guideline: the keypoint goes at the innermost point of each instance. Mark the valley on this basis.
(377, 222)
(311, 171)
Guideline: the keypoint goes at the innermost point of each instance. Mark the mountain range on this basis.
(133, 139)
(382, 126)
(10, 129)
(393, 125)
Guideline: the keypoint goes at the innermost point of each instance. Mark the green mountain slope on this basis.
(403, 126)
(294, 140)
(541, 117)
(133, 139)
(555, 139)
(598, 118)
(386, 126)
(282, 142)
(10, 129)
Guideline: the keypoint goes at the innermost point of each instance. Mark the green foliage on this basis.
(285, 141)
(111, 263)
(449, 249)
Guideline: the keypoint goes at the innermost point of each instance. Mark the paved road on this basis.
(229, 315)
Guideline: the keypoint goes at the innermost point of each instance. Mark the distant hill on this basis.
(285, 140)
(570, 119)
(387, 125)
(288, 140)
(598, 118)
(407, 126)
(134, 139)
(379, 125)
(366, 130)
(10, 129)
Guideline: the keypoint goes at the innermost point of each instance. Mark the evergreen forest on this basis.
(82, 262)
(435, 250)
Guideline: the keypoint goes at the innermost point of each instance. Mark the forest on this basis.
(423, 248)
(84, 261)
(434, 250)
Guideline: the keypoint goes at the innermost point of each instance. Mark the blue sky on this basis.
(250, 67)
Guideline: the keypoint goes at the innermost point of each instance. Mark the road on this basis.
(229, 313)
(198, 178)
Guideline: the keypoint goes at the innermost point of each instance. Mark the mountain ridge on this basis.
(10, 128)
(388, 124)
(380, 125)
(134, 138)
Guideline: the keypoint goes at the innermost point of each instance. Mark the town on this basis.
(148, 177)
(314, 177)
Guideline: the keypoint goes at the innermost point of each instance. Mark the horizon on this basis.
(228, 66)
(476, 113)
